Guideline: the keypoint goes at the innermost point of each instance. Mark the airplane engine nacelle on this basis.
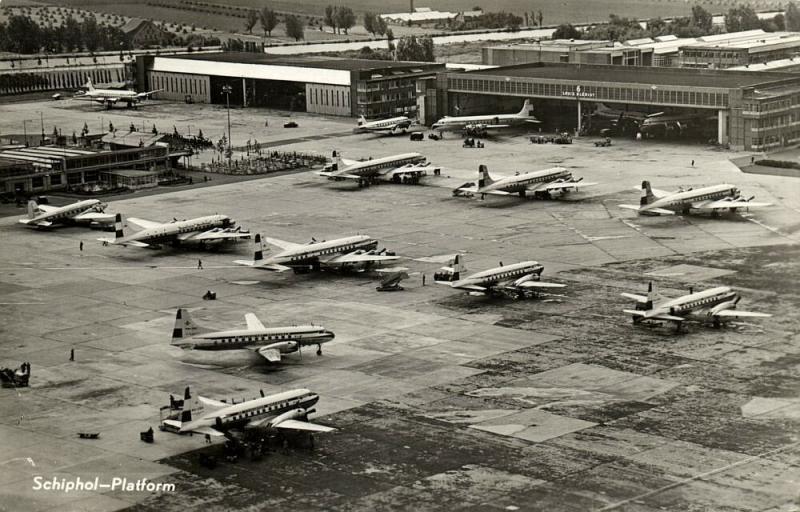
(289, 415)
(530, 277)
(287, 346)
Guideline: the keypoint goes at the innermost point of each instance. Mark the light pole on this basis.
(25, 131)
(41, 119)
(227, 90)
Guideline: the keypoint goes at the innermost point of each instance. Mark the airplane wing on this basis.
(114, 241)
(472, 287)
(492, 126)
(274, 267)
(539, 284)
(658, 316)
(46, 209)
(273, 355)
(98, 99)
(641, 299)
(95, 217)
(724, 204)
(360, 257)
(406, 169)
(649, 211)
(734, 313)
(563, 185)
(283, 244)
(303, 425)
(208, 431)
(346, 162)
(142, 223)
(253, 323)
(215, 234)
(144, 95)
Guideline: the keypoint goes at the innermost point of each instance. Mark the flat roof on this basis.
(305, 61)
(636, 75)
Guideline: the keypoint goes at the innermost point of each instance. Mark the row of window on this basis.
(333, 250)
(701, 302)
(644, 94)
(246, 339)
(265, 409)
(716, 195)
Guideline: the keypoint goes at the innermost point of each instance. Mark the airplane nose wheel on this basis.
(319, 350)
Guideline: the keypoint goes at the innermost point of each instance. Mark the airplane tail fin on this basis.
(362, 121)
(451, 273)
(191, 406)
(89, 85)
(647, 194)
(527, 109)
(458, 266)
(484, 180)
(652, 294)
(32, 206)
(184, 327)
(118, 229)
(258, 255)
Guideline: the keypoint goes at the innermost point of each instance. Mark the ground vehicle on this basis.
(417, 136)
(603, 143)
(290, 124)
(433, 136)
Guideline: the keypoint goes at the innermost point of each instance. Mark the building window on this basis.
(55, 179)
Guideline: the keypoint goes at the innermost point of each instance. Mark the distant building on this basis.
(142, 32)
(718, 51)
(325, 85)
(26, 170)
(425, 16)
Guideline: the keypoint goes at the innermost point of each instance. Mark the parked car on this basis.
(417, 136)
(290, 124)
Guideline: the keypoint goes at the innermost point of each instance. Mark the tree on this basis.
(702, 19)
(741, 18)
(345, 18)
(330, 17)
(251, 20)
(294, 27)
(539, 18)
(369, 22)
(566, 31)
(792, 17)
(91, 34)
(390, 39)
(23, 35)
(71, 38)
(380, 26)
(269, 20)
(412, 49)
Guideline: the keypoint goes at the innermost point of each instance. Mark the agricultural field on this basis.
(554, 11)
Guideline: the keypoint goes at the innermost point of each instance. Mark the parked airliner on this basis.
(89, 211)
(402, 168)
(713, 199)
(518, 280)
(542, 184)
(480, 125)
(206, 230)
(391, 126)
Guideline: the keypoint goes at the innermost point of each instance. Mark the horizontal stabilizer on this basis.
(361, 258)
(471, 287)
(172, 423)
(303, 425)
(634, 207)
(212, 403)
(641, 299)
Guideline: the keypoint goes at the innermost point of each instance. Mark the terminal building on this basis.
(750, 111)
(719, 51)
(325, 85)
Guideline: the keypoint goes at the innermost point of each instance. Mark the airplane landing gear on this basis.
(319, 350)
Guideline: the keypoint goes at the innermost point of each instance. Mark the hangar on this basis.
(753, 111)
(325, 85)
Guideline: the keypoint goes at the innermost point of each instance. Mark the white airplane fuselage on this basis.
(65, 213)
(384, 125)
(712, 298)
(171, 230)
(372, 168)
(294, 403)
(491, 277)
(461, 122)
(313, 252)
(521, 182)
(682, 201)
(287, 339)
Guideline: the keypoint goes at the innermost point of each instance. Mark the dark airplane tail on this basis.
(484, 180)
(647, 194)
(184, 327)
(118, 229)
(258, 255)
